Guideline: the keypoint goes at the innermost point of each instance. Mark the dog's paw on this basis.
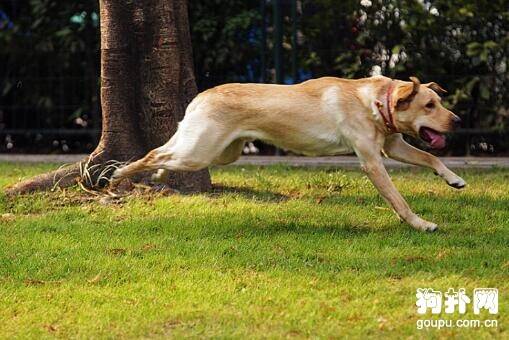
(430, 227)
(458, 183)
(156, 178)
(116, 176)
(424, 225)
(161, 176)
(427, 227)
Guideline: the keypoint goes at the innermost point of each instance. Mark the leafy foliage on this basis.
(225, 40)
(50, 62)
(461, 44)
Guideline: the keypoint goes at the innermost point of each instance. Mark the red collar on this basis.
(387, 113)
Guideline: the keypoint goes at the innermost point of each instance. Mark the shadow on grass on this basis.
(247, 193)
(289, 220)
(290, 241)
(304, 246)
(419, 200)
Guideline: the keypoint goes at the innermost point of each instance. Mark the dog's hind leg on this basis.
(197, 142)
(396, 148)
(147, 163)
(231, 153)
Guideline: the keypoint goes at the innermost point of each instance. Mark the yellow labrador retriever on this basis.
(320, 117)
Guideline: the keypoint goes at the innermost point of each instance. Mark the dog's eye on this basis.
(430, 105)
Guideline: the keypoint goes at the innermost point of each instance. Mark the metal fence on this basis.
(66, 117)
(56, 122)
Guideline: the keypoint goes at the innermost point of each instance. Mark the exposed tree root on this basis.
(92, 175)
(60, 178)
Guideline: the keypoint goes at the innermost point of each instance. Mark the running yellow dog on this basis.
(320, 117)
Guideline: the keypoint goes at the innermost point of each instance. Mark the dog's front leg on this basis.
(396, 148)
(372, 165)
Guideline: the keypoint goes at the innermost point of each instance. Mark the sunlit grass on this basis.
(273, 252)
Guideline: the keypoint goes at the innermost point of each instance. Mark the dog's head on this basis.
(418, 111)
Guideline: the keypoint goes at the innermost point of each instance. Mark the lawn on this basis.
(273, 252)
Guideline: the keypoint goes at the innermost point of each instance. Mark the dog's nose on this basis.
(457, 121)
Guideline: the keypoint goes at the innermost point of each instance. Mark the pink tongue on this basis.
(437, 140)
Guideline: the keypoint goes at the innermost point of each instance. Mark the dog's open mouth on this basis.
(435, 139)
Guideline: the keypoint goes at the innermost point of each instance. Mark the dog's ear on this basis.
(435, 87)
(404, 93)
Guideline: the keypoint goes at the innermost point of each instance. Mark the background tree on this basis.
(49, 56)
(147, 80)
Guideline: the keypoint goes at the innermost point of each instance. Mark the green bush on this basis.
(49, 55)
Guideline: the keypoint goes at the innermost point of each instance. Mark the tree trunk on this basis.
(147, 81)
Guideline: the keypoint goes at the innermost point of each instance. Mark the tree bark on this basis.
(147, 81)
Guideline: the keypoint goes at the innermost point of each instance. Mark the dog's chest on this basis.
(323, 136)
(324, 143)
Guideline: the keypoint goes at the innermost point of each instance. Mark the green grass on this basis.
(276, 252)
